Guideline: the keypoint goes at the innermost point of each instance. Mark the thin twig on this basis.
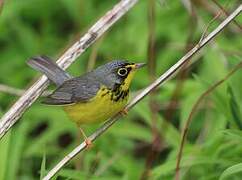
(93, 55)
(108, 163)
(194, 108)
(101, 26)
(226, 13)
(11, 90)
(163, 78)
(16, 91)
(174, 100)
(151, 56)
(1, 5)
(208, 25)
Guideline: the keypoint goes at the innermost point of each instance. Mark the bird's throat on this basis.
(119, 93)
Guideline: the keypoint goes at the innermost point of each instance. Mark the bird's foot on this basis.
(86, 139)
(124, 112)
(88, 143)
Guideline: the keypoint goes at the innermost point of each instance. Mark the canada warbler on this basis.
(92, 97)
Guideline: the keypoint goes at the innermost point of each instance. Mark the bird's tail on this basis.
(49, 68)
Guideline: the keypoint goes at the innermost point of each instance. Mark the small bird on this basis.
(92, 97)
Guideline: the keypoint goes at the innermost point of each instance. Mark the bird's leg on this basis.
(124, 112)
(87, 140)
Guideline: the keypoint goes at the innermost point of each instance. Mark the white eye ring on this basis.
(122, 72)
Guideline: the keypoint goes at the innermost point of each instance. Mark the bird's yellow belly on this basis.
(99, 109)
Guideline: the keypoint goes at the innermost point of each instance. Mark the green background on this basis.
(145, 143)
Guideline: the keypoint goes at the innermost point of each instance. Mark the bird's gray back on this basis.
(86, 86)
(78, 89)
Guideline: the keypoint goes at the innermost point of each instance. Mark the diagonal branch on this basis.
(101, 26)
(17, 92)
(163, 78)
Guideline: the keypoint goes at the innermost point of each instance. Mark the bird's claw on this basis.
(124, 112)
(88, 143)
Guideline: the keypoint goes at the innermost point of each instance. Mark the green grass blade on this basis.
(232, 170)
(43, 167)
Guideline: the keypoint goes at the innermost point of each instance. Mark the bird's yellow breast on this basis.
(103, 106)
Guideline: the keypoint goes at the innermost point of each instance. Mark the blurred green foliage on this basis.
(44, 135)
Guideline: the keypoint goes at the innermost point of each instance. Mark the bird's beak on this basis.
(139, 65)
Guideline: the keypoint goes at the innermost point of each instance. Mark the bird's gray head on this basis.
(117, 72)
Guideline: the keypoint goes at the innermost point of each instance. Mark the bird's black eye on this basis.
(122, 72)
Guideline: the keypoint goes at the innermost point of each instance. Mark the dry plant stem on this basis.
(102, 25)
(94, 53)
(194, 108)
(226, 13)
(206, 28)
(164, 77)
(1, 4)
(15, 91)
(174, 100)
(81, 147)
(155, 144)
(11, 90)
(108, 163)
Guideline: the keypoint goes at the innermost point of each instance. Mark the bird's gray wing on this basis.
(79, 89)
(50, 69)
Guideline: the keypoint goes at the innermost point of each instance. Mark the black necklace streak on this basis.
(119, 94)
(116, 94)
